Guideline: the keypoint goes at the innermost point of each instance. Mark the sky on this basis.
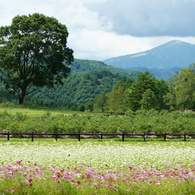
(102, 29)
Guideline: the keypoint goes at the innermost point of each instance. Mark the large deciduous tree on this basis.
(33, 53)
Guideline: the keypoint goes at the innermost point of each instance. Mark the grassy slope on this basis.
(36, 112)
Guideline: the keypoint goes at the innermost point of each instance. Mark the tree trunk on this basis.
(21, 96)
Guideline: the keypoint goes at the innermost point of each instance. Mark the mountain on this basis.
(162, 60)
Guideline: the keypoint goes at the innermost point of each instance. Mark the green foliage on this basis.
(87, 80)
(141, 121)
(145, 81)
(78, 90)
(185, 89)
(182, 90)
(101, 102)
(116, 101)
(90, 104)
(92, 65)
(146, 93)
(148, 100)
(33, 52)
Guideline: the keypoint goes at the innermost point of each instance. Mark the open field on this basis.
(109, 167)
(35, 112)
(94, 166)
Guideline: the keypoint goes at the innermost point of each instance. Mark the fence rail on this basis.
(101, 136)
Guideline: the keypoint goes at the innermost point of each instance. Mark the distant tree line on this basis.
(147, 92)
(103, 91)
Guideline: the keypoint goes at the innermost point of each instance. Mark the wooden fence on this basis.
(101, 136)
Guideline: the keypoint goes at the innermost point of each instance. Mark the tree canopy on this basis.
(182, 90)
(145, 81)
(33, 53)
(146, 93)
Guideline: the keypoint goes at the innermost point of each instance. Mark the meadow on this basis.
(94, 167)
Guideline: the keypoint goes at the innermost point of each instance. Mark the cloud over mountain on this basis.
(101, 29)
(149, 17)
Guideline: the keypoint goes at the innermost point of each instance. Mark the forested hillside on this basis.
(90, 65)
(86, 81)
(77, 90)
(93, 86)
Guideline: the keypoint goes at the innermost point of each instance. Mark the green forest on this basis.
(94, 86)
(86, 81)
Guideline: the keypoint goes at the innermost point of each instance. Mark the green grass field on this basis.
(36, 112)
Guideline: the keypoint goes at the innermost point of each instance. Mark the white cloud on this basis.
(101, 45)
(100, 29)
(150, 17)
(79, 17)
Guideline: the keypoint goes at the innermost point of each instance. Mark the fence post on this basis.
(165, 137)
(79, 137)
(144, 137)
(56, 136)
(32, 137)
(184, 137)
(101, 136)
(123, 136)
(8, 136)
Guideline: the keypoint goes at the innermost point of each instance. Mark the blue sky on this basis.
(101, 29)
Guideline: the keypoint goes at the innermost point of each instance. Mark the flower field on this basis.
(97, 168)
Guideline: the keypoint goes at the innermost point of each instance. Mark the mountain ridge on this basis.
(173, 54)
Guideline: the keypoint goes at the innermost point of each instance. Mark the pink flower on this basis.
(19, 162)
(53, 176)
(30, 180)
(83, 165)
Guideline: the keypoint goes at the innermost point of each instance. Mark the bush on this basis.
(139, 121)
